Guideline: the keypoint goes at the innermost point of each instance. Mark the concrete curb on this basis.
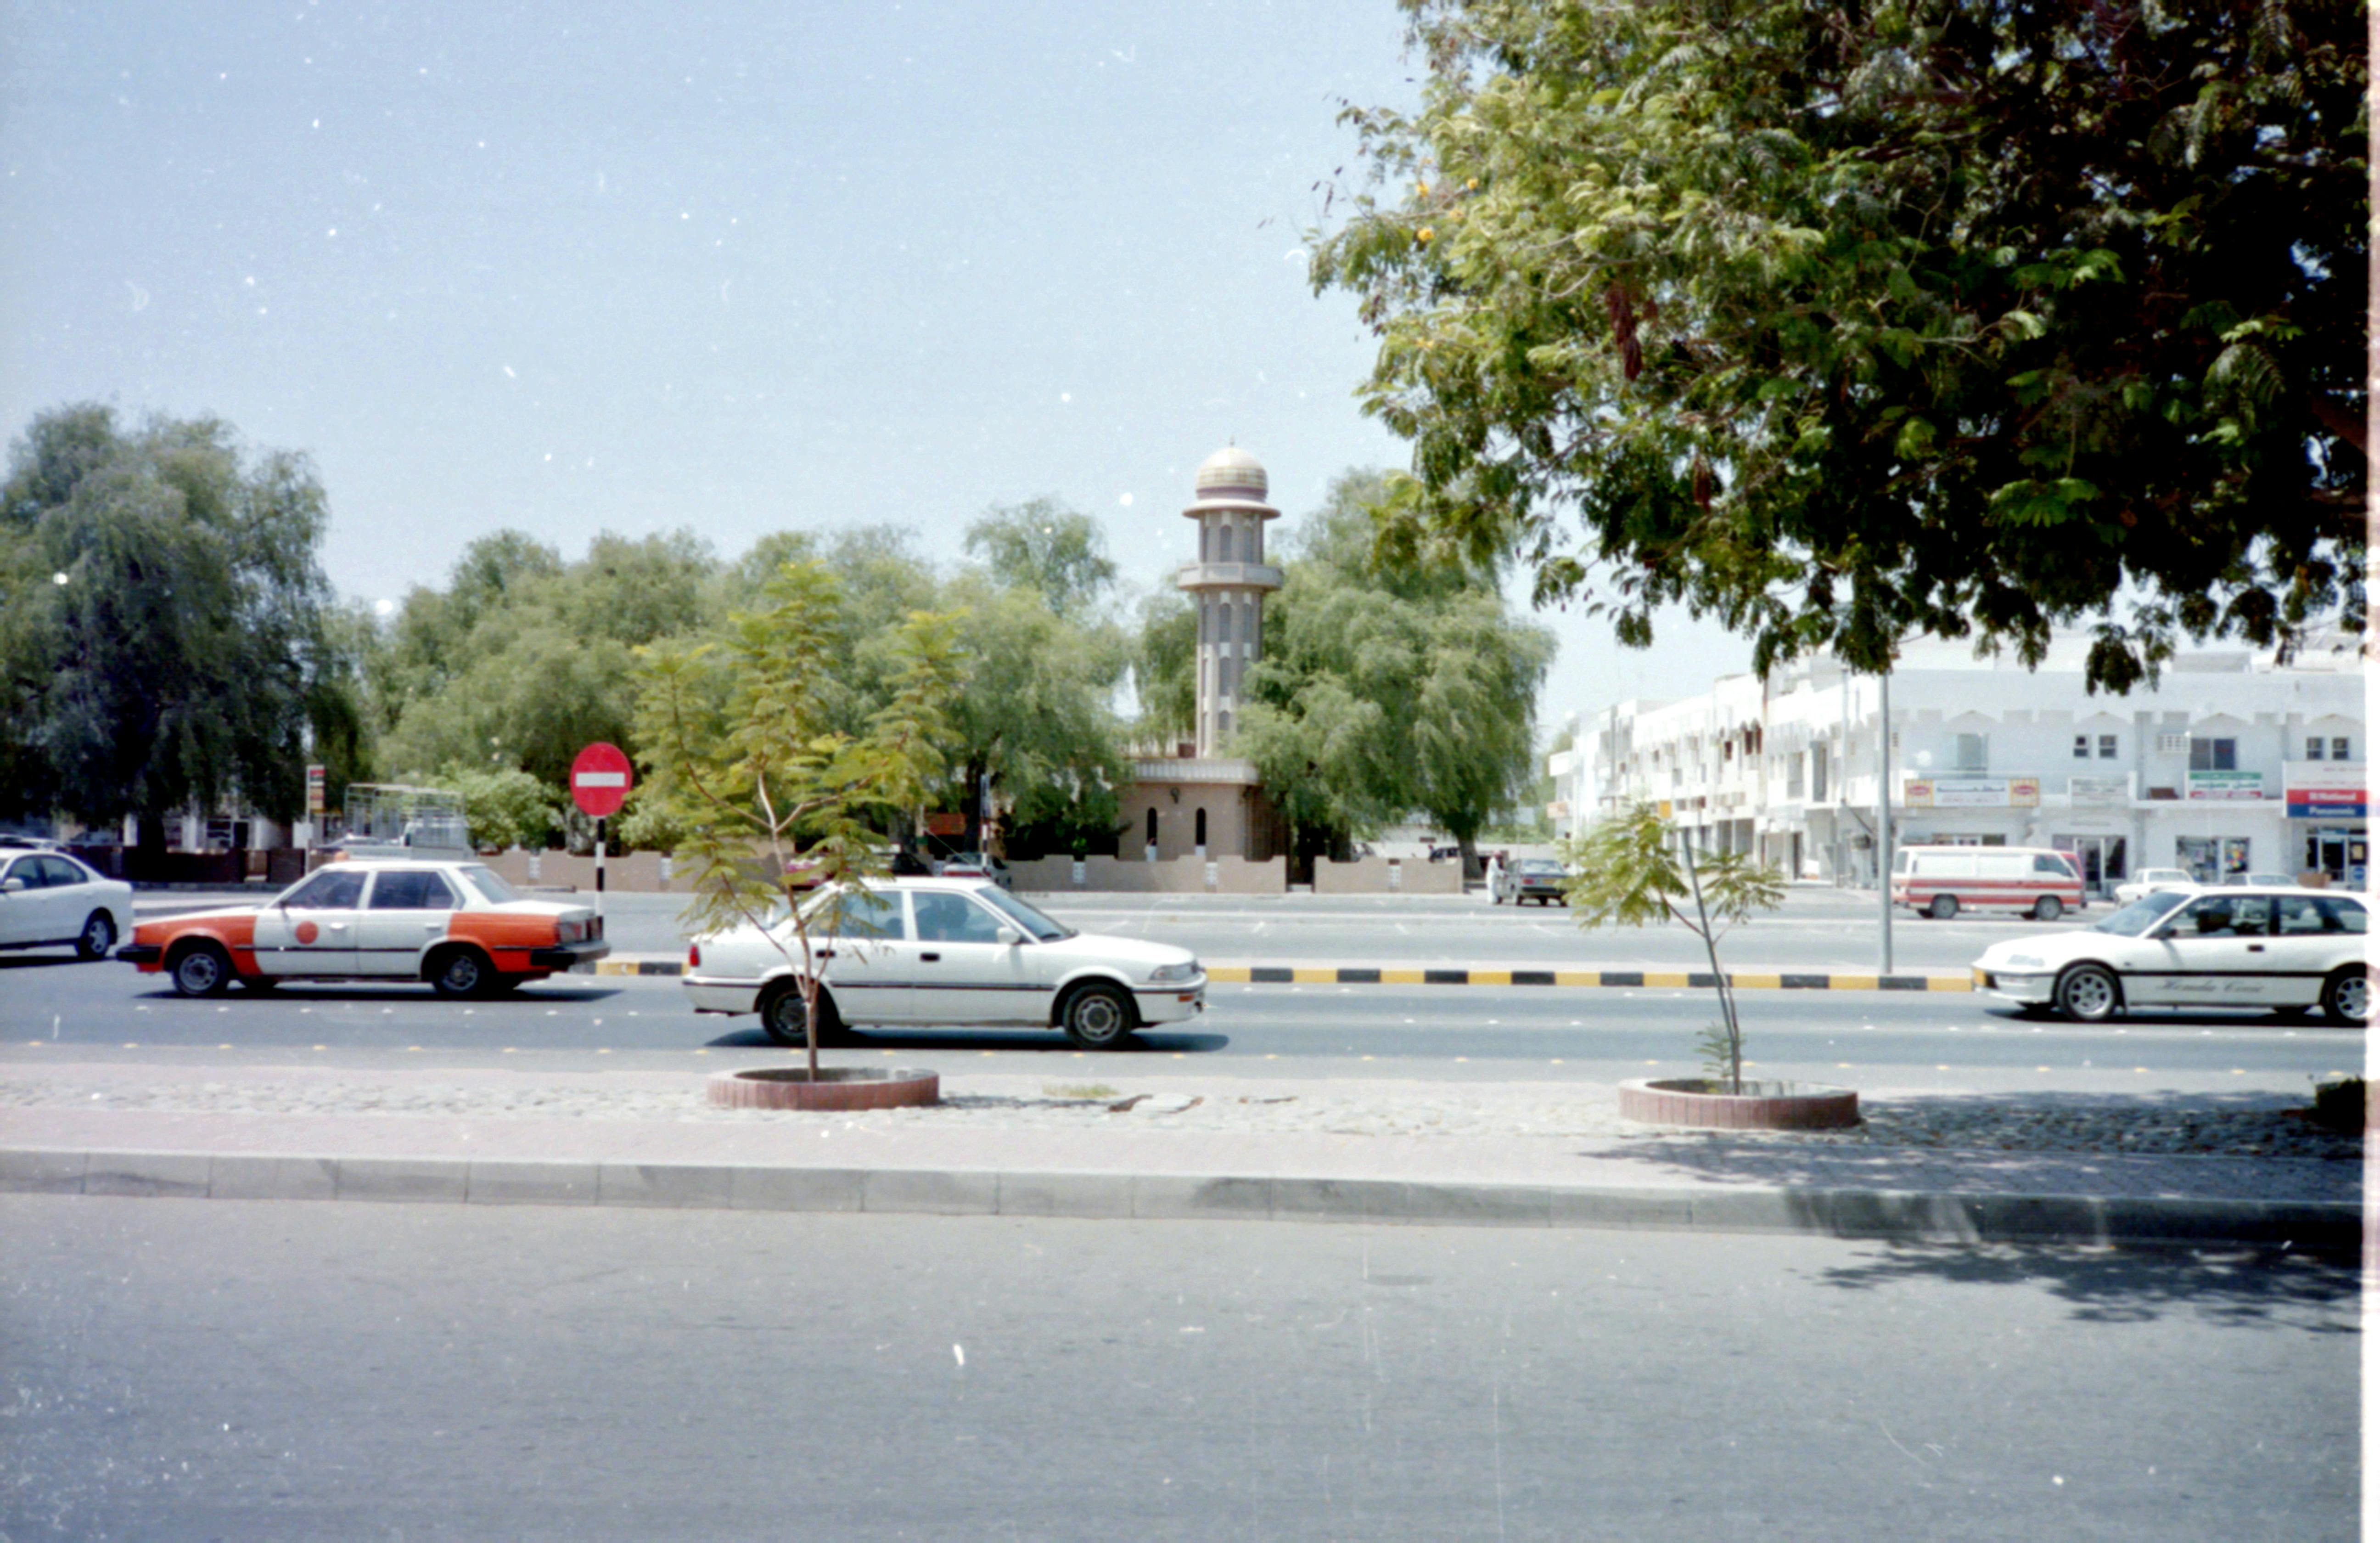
(1381, 975)
(1904, 1216)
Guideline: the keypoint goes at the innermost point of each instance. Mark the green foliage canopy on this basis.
(1385, 689)
(1840, 322)
(165, 631)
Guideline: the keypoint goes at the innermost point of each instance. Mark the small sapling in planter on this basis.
(1626, 871)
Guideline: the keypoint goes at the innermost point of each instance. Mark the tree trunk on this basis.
(1468, 845)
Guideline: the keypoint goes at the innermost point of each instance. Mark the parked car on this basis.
(455, 925)
(2262, 881)
(975, 865)
(2150, 878)
(2290, 950)
(1538, 879)
(942, 953)
(1941, 882)
(48, 899)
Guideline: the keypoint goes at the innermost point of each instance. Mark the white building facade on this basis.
(2229, 764)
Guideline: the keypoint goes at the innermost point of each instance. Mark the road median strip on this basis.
(1915, 1216)
(1382, 975)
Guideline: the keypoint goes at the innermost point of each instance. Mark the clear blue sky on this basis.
(737, 267)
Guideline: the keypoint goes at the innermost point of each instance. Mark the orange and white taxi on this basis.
(455, 925)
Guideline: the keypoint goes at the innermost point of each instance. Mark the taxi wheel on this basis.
(1945, 907)
(2088, 994)
(201, 969)
(1097, 1017)
(462, 972)
(2048, 908)
(98, 937)
(2347, 996)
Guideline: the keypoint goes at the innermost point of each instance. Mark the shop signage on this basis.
(1971, 793)
(2328, 791)
(2099, 789)
(2226, 787)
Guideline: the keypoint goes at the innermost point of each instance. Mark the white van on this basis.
(1941, 882)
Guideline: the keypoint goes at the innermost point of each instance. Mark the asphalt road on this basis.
(1816, 929)
(1932, 1040)
(262, 1372)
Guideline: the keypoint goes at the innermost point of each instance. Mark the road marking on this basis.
(602, 1052)
(132, 1047)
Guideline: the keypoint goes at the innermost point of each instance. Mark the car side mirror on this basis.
(11, 886)
(1010, 936)
(2162, 933)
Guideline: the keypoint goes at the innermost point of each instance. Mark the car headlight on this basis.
(2021, 962)
(1174, 972)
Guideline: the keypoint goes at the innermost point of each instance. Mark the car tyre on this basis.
(97, 937)
(2089, 994)
(785, 1022)
(462, 972)
(201, 969)
(1944, 907)
(1097, 1017)
(2048, 908)
(2347, 996)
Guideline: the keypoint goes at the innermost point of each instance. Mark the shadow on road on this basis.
(65, 955)
(2261, 1288)
(979, 1039)
(397, 991)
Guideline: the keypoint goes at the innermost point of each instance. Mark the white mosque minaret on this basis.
(1228, 583)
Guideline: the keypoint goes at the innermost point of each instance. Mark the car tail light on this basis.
(694, 956)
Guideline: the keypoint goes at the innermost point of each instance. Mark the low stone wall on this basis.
(1387, 875)
(1178, 876)
(639, 871)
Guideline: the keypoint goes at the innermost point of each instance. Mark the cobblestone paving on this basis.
(2110, 1126)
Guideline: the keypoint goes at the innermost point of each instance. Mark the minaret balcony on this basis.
(1227, 575)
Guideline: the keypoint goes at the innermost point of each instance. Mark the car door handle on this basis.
(930, 958)
(821, 954)
(2256, 948)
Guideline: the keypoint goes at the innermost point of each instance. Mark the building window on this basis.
(1818, 772)
(2338, 750)
(2106, 747)
(1223, 554)
(2313, 748)
(1201, 838)
(1973, 753)
(2213, 755)
(2082, 746)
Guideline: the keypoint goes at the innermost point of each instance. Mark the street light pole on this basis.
(1884, 816)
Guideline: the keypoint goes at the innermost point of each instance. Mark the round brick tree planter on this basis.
(837, 1087)
(1762, 1106)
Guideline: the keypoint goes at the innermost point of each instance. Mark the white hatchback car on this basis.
(49, 898)
(2287, 950)
(946, 953)
(2152, 878)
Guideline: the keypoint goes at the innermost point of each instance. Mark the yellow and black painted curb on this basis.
(1372, 975)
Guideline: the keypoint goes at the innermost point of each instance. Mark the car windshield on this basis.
(491, 888)
(1037, 925)
(1540, 865)
(2142, 914)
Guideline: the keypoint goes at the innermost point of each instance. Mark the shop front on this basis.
(2328, 833)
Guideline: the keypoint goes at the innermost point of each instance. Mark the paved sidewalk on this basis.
(1156, 1146)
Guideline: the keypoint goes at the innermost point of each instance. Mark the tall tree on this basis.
(1840, 322)
(1058, 553)
(165, 626)
(1386, 690)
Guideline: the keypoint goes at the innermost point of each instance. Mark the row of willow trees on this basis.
(168, 640)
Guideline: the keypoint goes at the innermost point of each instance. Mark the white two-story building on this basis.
(2230, 763)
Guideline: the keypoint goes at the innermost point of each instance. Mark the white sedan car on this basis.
(2286, 950)
(2152, 878)
(49, 898)
(944, 952)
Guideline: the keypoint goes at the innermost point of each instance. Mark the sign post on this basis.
(317, 803)
(600, 780)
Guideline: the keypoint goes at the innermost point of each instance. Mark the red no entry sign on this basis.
(600, 780)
